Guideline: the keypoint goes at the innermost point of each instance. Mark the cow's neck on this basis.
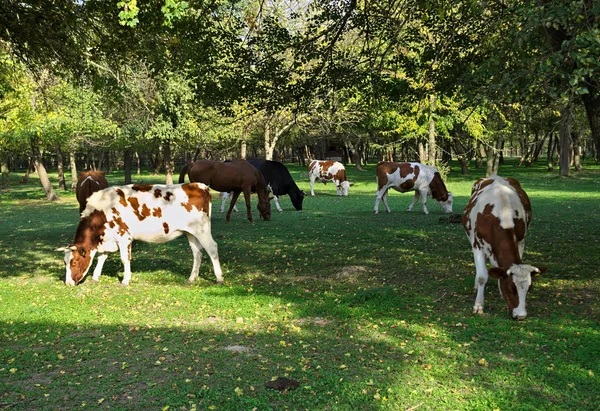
(438, 188)
(90, 230)
(505, 249)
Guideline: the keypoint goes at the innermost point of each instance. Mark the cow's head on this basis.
(447, 205)
(78, 261)
(344, 186)
(264, 208)
(297, 196)
(514, 285)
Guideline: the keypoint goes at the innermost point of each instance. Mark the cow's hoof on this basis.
(123, 284)
(477, 310)
(375, 212)
(220, 282)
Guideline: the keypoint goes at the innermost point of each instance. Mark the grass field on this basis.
(366, 312)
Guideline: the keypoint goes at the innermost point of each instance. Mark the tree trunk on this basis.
(431, 140)
(565, 140)
(478, 156)
(244, 142)
(62, 184)
(30, 168)
(139, 167)
(422, 153)
(73, 170)
(576, 160)
(5, 172)
(499, 155)
(591, 102)
(43, 175)
(492, 162)
(127, 160)
(550, 153)
(169, 165)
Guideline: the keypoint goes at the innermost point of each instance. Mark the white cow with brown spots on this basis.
(327, 171)
(116, 216)
(424, 180)
(495, 220)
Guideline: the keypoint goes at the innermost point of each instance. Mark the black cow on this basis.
(280, 183)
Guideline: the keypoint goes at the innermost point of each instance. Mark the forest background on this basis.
(110, 84)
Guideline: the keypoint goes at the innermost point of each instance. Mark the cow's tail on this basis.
(184, 171)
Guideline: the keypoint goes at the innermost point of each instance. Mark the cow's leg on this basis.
(338, 190)
(99, 264)
(424, 201)
(521, 245)
(481, 277)
(125, 252)
(384, 198)
(224, 197)
(197, 242)
(277, 203)
(414, 201)
(312, 186)
(381, 194)
(234, 198)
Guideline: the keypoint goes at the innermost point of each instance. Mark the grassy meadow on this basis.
(366, 312)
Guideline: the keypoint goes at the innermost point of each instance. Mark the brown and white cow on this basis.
(496, 219)
(327, 171)
(116, 216)
(424, 180)
(88, 183)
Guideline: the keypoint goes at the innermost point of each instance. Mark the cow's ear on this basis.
(497, 273)
(541, 270)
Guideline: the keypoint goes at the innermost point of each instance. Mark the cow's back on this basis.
(497, 207)
(154, 213)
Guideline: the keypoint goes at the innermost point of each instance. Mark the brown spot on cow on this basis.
(121, 195)
(168, 196)
(142, 187)
(115, 211)
(135, 205)
(197, 197)
(157, 193)
(157, 212)
(123, 227)
(166, 227)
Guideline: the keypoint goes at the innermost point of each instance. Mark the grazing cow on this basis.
(326, 171)
(236, 176)
(424, 180)
(496, 219)
(116, 216)
(87, 184)
(279, 182)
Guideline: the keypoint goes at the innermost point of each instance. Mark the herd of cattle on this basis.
(495, 219)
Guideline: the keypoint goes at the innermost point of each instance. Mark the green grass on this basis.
(366, 312)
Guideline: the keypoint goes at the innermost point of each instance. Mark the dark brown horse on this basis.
(237, 176)
(87, 184)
